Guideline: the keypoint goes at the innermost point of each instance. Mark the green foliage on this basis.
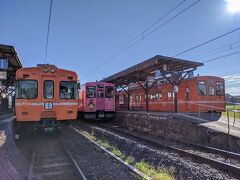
(149, 170)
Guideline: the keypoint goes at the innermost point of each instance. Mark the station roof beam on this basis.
(173, 70)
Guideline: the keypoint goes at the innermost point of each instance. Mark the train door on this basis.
(100, 101)
(187, 99)
(48, 97)
(170, 102)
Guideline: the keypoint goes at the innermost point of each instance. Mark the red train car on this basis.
(197, 94)
(96, 100)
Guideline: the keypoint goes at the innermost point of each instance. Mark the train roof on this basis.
(141, 71)
(98, 82)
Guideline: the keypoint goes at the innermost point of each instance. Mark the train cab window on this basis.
(202, 88)
(48, 89)
(109, 92)
(68, 90)
(91, 91)
(26, 89)
(100, 93)
(219, 88)
(211, 90)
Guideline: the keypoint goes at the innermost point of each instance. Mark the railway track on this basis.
(217, 158)
(52, 160)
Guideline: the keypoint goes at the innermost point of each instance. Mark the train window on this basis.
(169, 95)
(48, 89)
(91, 91)
(100, 85)
(202, 88)
(219, 88)
(211, 90)
(187, 93)
(26, 89)
(159, 95)
(211, 81)
(136, 97)
(68, 90)
(100, 93)
(109, 92)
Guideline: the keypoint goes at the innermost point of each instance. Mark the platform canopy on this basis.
(9, 53)
(142, 71)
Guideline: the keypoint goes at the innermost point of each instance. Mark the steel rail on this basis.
(235, 170)
(78, 169)
(133, 169)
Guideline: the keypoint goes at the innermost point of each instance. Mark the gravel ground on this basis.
(13, 165)
(94, 163)
(184, 168)
(16, 156)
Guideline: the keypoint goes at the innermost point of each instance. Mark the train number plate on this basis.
(48, 105)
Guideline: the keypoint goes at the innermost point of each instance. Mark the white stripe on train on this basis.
(42, 104)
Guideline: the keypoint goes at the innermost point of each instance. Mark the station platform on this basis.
(191, 127)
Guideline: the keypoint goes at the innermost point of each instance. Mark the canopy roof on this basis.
(14, 63)
(141, 71)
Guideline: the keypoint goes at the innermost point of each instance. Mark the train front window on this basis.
(91, 91)
(219, 88)
(202, 88)
(100, 93)
(68, 90)
(26, 89)
(48, 89)
(211, 90)
(109, 93)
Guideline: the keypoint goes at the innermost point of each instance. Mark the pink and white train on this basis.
(96, 100)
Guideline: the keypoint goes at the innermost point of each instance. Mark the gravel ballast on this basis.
(182, 167)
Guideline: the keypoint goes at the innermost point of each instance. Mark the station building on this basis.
(9, 64)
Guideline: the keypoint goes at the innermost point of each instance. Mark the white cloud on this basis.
(235, 78)
(234, 91)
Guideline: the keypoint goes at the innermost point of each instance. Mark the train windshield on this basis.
(91, 91)
(219, 88)
(68, 90)
(109, 92)
(202, 88)
(26, 89)
(48, 89)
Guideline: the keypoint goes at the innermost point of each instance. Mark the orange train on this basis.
(196, 94)
(46, 95)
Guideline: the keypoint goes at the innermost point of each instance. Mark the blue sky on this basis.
(85, 33)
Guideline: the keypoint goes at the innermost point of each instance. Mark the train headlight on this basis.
(52, 70)
(45, 70)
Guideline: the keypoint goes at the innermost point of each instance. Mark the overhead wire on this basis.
(215, 51)
(48, 30)
(158, 27)
(149, 27)
(220, 57)
(143, 36)
(206, 42)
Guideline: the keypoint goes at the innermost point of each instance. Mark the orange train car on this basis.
(196, 94)
(46, 96)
